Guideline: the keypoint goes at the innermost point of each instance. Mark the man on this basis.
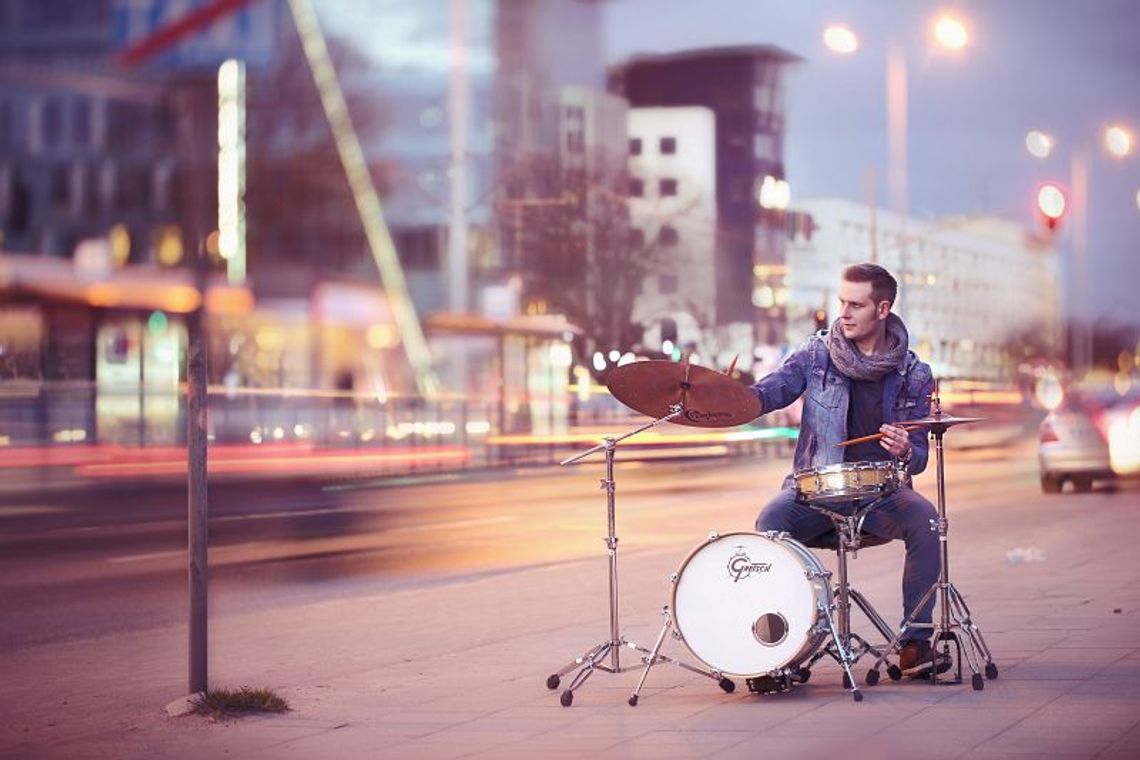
(857, 379)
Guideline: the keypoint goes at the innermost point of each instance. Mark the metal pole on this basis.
(897, 128)
(897, 153)
(1082, 327)
(612, 542)
(195, 111)
(459, 100)
(942, 526)
(198, 517)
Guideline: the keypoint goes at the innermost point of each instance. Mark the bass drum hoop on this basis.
(815, 576)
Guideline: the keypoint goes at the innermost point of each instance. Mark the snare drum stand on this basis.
(952, 607)
(851, 646)
(594, 658)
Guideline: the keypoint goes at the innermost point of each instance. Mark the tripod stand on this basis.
(594, 658)
(953, 612)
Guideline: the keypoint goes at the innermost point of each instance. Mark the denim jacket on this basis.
(808, 371)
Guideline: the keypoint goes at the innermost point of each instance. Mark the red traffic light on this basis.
(1052, 204)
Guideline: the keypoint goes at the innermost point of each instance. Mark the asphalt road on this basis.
(79, 564)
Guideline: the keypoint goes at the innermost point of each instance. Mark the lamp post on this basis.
(1119, 143)
(949, 33)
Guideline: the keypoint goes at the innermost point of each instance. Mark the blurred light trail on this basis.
(116, 461)
(999, 398)
(266, 462)
(712, 440)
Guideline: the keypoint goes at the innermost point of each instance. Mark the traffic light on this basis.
(1052, 204)
(820, 319)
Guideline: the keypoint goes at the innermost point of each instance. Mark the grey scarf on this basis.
(858, 366)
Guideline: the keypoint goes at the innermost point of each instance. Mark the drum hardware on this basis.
(652, 656)
(953, 612)
(753, 605)
(669, 392)
(852, 647)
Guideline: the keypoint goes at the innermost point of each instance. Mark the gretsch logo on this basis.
(741, 566)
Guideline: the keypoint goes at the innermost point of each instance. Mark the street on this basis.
(423, 618)
(113, 560)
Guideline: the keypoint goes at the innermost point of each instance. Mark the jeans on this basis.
(904, 514)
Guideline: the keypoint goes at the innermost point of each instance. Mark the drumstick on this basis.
(908, 426)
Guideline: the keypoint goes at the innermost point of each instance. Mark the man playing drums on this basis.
(859, 378)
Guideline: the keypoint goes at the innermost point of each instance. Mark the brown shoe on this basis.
(917, 659)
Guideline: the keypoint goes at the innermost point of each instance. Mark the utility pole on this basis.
(195, 100)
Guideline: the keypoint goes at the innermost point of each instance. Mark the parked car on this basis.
(1075, 442)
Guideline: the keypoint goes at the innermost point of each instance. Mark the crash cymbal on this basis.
(708, 398)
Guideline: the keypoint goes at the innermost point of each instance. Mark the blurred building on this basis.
(672, 191)
(476, 154)
(742, 89)
(974, 291)
(90, 150)
(502, 100)
(84, 151)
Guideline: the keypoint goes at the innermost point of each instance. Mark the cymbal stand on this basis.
(954, 614)
(594, 658)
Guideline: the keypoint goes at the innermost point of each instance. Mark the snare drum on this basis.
(848, 481)
(750, 604)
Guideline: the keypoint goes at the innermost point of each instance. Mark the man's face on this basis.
(859, 316)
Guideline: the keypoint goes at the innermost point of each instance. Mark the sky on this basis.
(1066, 67)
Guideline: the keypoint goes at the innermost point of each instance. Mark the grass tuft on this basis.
(223, 703)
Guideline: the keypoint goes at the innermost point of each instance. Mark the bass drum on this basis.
(749, 604)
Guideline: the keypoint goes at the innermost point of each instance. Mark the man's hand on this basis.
(895, 440)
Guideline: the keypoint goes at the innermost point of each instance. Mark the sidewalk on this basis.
(458, 670)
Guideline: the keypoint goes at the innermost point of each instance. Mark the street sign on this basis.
(198, 34)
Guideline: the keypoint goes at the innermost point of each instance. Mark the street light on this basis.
(840, 39)
(1039, 144)
(1051, 203)
(949, 33)
(1118, 141)
(774, 194)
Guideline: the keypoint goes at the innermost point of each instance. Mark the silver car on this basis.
(1073, 443)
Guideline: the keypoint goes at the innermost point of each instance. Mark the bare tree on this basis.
(569, 232)
(299, 201)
